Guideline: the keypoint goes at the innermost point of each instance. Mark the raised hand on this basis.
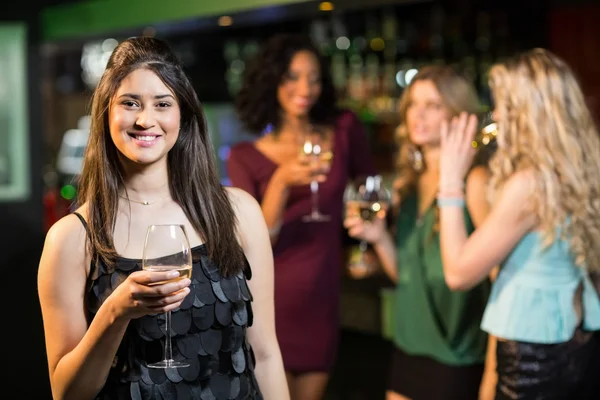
(457, 151)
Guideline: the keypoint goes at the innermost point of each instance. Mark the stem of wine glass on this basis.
(363, 246)
(168, 348)
(314, 189)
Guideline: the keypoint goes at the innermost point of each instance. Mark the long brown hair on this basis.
(457, 95)
(545, 126)
(193, 177)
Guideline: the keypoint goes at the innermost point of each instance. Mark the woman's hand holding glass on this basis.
(371, 231)
(366, 209)
(299, 172)
(149, 292)
(367, 204)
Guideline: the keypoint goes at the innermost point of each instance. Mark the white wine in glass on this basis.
(167, 248)
(368, 200)
(316, 149)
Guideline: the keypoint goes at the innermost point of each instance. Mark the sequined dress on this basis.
(208, 331)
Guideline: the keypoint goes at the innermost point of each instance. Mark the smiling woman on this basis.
(144, 125)
(287, 92)
(103, 315)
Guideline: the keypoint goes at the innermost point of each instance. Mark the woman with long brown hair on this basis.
(149, 161)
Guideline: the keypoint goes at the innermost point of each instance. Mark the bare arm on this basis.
(274, 202)
(386, 252)
(479, 209)
(261, 335)
(383, 242)
(487, 389)
(80, 357)
(376, 233)
(477, 203)
(273, 205)
(467, 261)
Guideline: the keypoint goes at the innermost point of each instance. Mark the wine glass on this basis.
(368, 199)
(167, 249)
(316, 150)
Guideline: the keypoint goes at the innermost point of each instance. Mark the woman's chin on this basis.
(423, 140)
(139, 160)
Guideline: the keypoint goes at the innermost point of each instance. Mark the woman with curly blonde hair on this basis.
(439, 348)
(543, 228)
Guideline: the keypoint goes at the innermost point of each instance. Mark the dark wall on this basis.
(574, 33)
(21, 241)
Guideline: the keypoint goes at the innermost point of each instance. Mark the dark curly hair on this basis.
(257, 105)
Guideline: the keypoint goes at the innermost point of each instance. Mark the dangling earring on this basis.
(415, 158)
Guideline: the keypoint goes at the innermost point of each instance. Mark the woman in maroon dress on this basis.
(287, 88)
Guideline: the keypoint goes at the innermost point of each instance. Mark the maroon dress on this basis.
(307, 254)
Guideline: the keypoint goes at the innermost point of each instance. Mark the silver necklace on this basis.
(145, 203)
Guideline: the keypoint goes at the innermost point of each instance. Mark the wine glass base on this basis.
(168, 364)
(359, 266)
(316, 217)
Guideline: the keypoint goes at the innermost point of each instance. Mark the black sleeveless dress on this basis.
(208, 331)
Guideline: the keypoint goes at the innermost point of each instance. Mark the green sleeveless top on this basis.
(430, 319)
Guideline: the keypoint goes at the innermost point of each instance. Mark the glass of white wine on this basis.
(367, 199)
(167, 248)
(316, 150)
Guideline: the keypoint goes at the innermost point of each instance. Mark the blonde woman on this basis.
(543, 228)
(439, 347)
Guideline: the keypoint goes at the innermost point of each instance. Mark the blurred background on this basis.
(53, 53)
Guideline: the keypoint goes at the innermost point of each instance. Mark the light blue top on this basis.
(532, 297)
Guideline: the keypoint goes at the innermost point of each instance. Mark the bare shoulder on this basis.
(515, 199)
(520, 186)
(264, 143)
(242, 201)
(478, 175)
(66, 240)
(66, 232)
(251, 223)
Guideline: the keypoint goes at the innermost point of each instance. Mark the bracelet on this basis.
(450, 201)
